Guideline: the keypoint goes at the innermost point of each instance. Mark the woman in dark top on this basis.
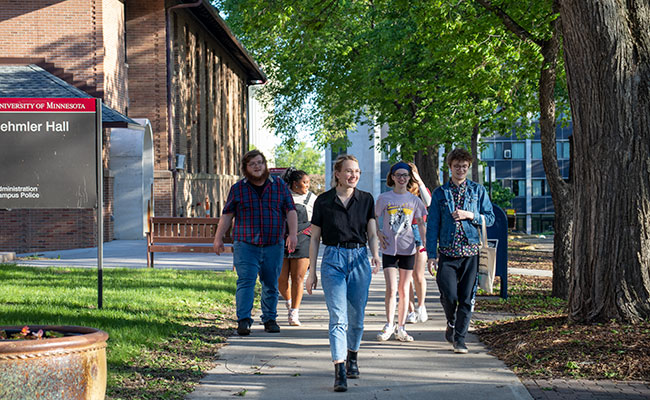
(295, 264)
(345, 217)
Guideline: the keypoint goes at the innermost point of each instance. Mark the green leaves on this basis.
(431, 71)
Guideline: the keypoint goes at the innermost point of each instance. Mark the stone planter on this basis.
(67, 368)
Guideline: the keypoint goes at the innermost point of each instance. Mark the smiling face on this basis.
(459, 170)
(401, 178)
(301, 186)
(256, 170)
(349, 174)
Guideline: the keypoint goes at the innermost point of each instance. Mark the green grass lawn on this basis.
(165, 326)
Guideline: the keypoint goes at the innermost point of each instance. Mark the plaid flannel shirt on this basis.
(259, 221)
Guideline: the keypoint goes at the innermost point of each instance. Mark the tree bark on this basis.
(607, 55)
(560, 190)
(474, 149)
(427, 163)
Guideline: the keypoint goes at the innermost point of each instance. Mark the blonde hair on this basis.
(338, 165)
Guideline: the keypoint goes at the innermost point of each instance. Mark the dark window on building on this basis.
(519, 187)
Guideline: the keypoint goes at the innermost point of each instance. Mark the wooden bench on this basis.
(182, 235)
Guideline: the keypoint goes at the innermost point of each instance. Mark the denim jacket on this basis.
(441, 225)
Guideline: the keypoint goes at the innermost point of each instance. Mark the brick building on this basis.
(174, 64)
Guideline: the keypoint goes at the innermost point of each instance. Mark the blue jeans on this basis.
(251, 261)
(345, 276)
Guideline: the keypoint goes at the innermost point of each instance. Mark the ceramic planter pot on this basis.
(67, 368)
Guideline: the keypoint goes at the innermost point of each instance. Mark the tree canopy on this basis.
(301, 156)
(431, 71)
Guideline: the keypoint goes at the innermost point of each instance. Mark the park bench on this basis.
(182, 235)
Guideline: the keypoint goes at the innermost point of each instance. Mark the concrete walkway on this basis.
(296, 363)
(124, 254)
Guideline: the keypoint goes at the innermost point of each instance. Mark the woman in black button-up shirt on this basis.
(345, 217)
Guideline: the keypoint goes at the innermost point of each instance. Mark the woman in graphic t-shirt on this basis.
(399, 209)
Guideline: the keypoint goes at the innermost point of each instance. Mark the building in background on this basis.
(515, 163)
(175, 66)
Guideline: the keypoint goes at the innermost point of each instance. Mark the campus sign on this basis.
(48, 153)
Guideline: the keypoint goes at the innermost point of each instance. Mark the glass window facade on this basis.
(537, 151)
(518, 151)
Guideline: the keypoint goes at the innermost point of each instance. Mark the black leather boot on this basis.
(351, 366)
(340, 380)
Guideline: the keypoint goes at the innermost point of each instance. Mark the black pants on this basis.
(457, 280)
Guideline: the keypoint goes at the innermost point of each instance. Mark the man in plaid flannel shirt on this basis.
(261, 207)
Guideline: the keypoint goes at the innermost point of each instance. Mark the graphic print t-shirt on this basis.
(398, 212)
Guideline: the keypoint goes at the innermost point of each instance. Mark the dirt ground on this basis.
(530, 331)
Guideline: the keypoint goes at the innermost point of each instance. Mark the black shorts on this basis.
(398, 261)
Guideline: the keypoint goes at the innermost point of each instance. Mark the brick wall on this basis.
(209, 112)
(145, 37)
(66, 33)
(115, 70)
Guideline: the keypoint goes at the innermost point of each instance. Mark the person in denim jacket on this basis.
(455, 214)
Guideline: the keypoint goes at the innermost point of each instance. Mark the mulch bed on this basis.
(535, 339)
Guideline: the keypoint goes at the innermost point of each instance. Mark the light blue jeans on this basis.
(345, 276)
(251, 261)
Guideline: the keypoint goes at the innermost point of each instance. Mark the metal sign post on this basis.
(100, 205)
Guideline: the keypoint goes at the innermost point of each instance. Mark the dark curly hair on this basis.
(293, 175)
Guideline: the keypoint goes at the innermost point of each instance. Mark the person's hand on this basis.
(416, 176)
(460, 215)
(218, 246)
(376, 263)
(312, 280)
(292, 241)
(383, 240)
(432, 263)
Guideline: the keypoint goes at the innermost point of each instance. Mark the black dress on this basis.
(304, 233)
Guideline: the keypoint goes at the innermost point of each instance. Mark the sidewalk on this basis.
(296, 363)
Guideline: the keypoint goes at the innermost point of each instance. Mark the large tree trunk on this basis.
(427, 163)
(560, 190)
(607, 54)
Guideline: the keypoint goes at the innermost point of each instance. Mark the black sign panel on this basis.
(48, 153)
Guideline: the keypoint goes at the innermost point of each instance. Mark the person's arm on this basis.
(485, 208)
(425, 195)
(292, 239)
(423, 230)
(224, 224)
(314, 244)
(373, 241)
(432, 233)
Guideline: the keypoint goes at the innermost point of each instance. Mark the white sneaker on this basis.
(386, 333)
(403, 336)
(294, 319)
(412, 318)
(288, 304)
(422, 314)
